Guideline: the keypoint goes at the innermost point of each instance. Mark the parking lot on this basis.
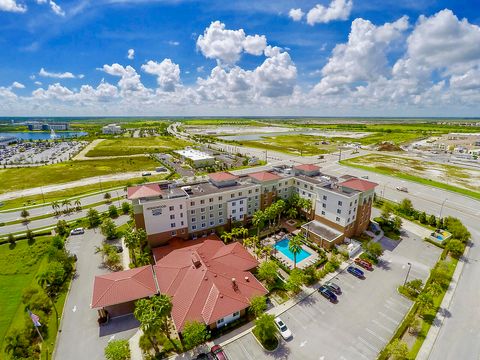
(363, 320)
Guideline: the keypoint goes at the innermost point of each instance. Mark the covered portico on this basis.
(322, 234)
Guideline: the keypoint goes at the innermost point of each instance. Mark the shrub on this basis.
(112, 211)
(455, 247)
(194, 333)
(125, 207)
(117, 350)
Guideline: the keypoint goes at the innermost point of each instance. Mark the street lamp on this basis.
(408, 272)
(383, 191)
(441, 208)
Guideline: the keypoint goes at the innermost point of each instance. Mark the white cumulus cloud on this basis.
(337, 10)
(53, 5)
(56, 75)
(17, 85)
(167, 72)
(12, 6)
(131, 54)
(296, 14)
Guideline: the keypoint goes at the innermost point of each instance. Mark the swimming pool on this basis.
(282, 246)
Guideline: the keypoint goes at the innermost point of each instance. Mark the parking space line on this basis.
(382, 326)
(388, 318)
(245, 351)
(389, 307)
(368, 345)
(373, 333)
(393, 302)
(355, 350)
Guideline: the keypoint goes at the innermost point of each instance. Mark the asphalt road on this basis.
(80, 337)
(363, 320)
(51, 221)
(87, 200)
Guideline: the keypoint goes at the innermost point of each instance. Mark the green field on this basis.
(298, 144)
(131, 146)
(460, 180)
(24, 178)
(18, 267)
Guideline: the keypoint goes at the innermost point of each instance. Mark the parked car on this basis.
(77, 231)
(356, 272)
(402, 188)
(365, 177)
(146, 173)
(334, 287)
(284, 330)
(218, 353)
(364, 264)
(327, 293)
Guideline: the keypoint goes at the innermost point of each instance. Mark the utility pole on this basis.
(441, 209)
(408, 272)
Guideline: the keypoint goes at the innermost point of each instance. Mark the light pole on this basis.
(441, 208)
(408, 272)
(383, 191)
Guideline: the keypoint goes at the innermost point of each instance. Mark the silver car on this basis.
(283, 329)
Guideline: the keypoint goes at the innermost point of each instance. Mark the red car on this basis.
(218, 352)
(364, 263)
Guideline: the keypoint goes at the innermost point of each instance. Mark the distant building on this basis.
(198, 158)
(112, 129)
(42, 126)
(34, 125)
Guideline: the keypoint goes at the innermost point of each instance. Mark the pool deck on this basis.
(285, 260)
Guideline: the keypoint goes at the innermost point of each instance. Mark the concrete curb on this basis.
(432, 335)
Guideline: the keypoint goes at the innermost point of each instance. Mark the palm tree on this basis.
(55, 206)
(258, 220)
(295, 246)
(131, 242)
(66, 203)
(292, 212)
(226, 237)
(78, 204)
(24, 214)
(13, 341)
(279, 207)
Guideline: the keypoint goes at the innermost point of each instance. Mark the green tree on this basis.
(292, 213)
(66, 203)
(109, 229)
(194, 333)
(117, 350)
(153, 314)
(55, 207)
(62, 228)
(78, 204)
(397, 223)
(18, 345)
(258, 304)
(414, 286)
(93, 218)
(434, 289)
(425, 302)
(457, 229)
(30, 236)
(279, 209)
(387, 210)
(432, 220)
(441, 274)
(107, 196)
(295, 246)
(295, 281)
(455, 247)
(397, 350)
(422, 217)
(131, 242)
(112, 211)
(226, 237)
(267, 271)
(125, 207)
(373, 249)
(406, 207)
(24, 214)
(440, 223)
(11, 239)
(265, 327)
(258, 221)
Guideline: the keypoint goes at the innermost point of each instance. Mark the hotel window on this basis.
(351, 203)
(202, 209)
(256, 190)
(234, 211)
(256, 197)
(220, 221)
(311, 187)
(241, 202)
(172, 217)
(337, 219)
(249, 206)
(348, 220)
(212, 223)
(202, 201)
(203, 225)
(220, 213)
(211, 207)
(339, 203)
(249, 191)
(194, 220)
(240, 193)
(324, 197)
(324, 205)
(192, 203)
(181, 215)
(174, 233)
(171, 208)
(172, 225)
(220, 198)
(355, 201)
(210, 200)
(305, 186)
(194, 227)
(192, 212)
(232, 196)
(220, 206)
(323, 212)
(234, 203)
(181, 206)
(181, 223)
(339, 211)
(211, 215)
(241, 209)
(203, 217)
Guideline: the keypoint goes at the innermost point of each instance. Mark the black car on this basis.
(327, 293)
(356, 272)
(334, 287)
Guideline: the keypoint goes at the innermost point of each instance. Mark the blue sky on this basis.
(305, 66)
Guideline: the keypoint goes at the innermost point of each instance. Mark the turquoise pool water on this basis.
(282, 246)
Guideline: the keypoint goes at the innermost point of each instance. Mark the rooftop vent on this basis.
(196, 261)
(247, 279)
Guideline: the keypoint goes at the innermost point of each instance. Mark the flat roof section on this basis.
(194, 155)
(324, 231)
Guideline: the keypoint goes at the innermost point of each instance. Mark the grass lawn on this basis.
(366, 163)
(24, 178)
(298, 144)
(18, 268)
(132, 146)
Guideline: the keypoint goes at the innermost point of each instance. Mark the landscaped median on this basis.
(414, 170)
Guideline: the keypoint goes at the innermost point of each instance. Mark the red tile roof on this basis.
(307, 167)
(123, 286)
(222, 176)
(264, 176)
(143, 191)
(199, 280)
(359, 184)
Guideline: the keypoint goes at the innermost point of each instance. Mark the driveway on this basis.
(80, 337)
(364, 319)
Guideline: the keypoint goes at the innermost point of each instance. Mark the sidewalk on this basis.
(429, 341)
